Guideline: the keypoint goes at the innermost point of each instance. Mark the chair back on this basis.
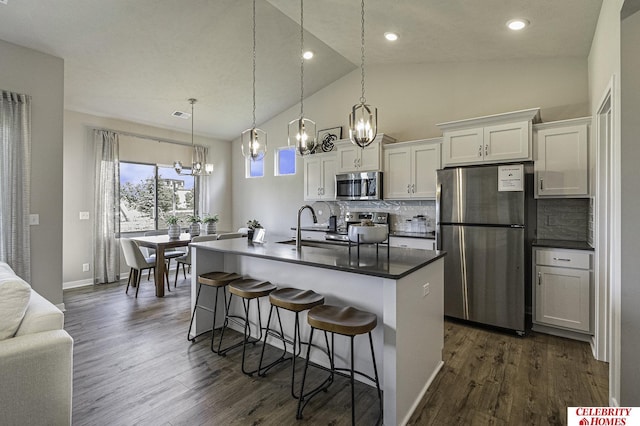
(229, 235)
(199, 238)
(132, 254)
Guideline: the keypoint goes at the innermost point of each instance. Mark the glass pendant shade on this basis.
(302, 135)
(363, 124)
(254, 143)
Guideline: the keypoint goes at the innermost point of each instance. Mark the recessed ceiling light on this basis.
(517, 24)
(391, 36)
(307, 55)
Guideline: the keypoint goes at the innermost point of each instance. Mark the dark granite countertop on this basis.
(399, 262)
(425, 235)
(565, 244)
(323, 228)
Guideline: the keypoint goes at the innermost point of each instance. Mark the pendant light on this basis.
(363, 120)
(254, 140)
(199, 165)
(302, 131)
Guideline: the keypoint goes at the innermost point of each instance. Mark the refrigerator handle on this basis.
(438, 230)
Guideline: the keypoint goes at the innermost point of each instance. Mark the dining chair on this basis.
(229, 235)
(137, 262)
(186, 259)
(168, 254)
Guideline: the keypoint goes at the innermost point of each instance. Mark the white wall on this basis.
(410, 99)
(630, 210)
(79, 180)
(40, 75)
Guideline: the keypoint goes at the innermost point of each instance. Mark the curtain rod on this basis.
(137, 135)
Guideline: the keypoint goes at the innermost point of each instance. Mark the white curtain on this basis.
(201, 154)
(15, 182)
(106, 255)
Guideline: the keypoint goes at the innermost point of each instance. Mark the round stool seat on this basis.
(249, 288)
(342, 320)
(294, 299)
(217, 278)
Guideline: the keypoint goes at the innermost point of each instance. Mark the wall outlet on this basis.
(84, 215)
(85, 267)
(34, 219)
(426, 289)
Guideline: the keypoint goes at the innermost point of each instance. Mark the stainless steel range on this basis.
(355, 218)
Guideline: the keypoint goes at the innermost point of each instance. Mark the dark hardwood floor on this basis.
(133, 365)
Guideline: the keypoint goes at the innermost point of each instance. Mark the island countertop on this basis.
(398, 263)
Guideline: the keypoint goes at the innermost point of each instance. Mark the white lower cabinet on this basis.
(562, 289)
(407, 242)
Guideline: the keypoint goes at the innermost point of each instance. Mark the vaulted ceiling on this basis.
(140, 60)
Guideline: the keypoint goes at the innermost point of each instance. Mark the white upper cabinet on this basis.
(410, 169)
(493, 139)
(352, 158)
(319, 176)
(561, 163)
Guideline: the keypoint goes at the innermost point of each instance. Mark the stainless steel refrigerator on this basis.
(485, 217)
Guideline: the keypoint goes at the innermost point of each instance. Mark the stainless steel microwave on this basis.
(359, 186)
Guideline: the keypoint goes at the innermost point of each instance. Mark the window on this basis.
(254, 168)
(149, 192)
(285, 159)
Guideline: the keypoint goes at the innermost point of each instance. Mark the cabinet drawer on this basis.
(564, 258)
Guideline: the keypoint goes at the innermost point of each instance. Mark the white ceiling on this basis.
(140, 60)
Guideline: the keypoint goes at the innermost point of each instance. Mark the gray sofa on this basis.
(36, 362)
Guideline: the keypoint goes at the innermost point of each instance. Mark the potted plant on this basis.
(194, 227)
(252, 225)
(174, 227)
(210, 222)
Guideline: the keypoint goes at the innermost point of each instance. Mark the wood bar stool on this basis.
(247, 289)
(217, 280)
(347, 321)
(294, 300)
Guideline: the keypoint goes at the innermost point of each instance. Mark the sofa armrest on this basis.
(36, 379)
(41, 315)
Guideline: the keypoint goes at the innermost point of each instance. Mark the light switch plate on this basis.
(84, 215)
(34, 219)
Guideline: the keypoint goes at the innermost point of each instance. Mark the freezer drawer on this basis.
(484, 274)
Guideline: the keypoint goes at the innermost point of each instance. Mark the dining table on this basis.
(161, 243)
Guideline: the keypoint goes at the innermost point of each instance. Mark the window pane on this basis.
(137, 197)
(286, 161)
(175, 195)
(255, 168)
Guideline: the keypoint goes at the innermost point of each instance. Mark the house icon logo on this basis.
(583, 421)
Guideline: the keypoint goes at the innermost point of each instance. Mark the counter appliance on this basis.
(355, 218)
(485, 221)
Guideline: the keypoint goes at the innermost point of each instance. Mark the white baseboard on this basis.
(76, 284)
(61, 307)
(422, 393)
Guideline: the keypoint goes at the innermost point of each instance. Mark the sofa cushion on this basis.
(41, 315)
(14, 300)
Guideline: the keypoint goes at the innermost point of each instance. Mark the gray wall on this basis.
(410, 99)
(41, 76)
(630, 204)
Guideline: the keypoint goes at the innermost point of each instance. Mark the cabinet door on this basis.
(417, 243)
(348, 156)
(328, 188)
(397, 173)
(561, 167)
(563, 297)
(462, 146)
(369, 158)
(312, 178)
(505, 142)
(425, 160)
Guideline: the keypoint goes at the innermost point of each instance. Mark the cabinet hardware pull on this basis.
(408, 188)
(539, 278)
(480, 151)
(486, 150)
(413, 188)
(541, 184)
(562, 259)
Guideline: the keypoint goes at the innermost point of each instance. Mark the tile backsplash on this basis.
(563, 219)
(399, 211)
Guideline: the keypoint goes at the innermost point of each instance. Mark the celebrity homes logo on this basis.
(603, 416)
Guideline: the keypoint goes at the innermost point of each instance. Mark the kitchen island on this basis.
(403, 287)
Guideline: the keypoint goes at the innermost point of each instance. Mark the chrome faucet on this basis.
(298, 233)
